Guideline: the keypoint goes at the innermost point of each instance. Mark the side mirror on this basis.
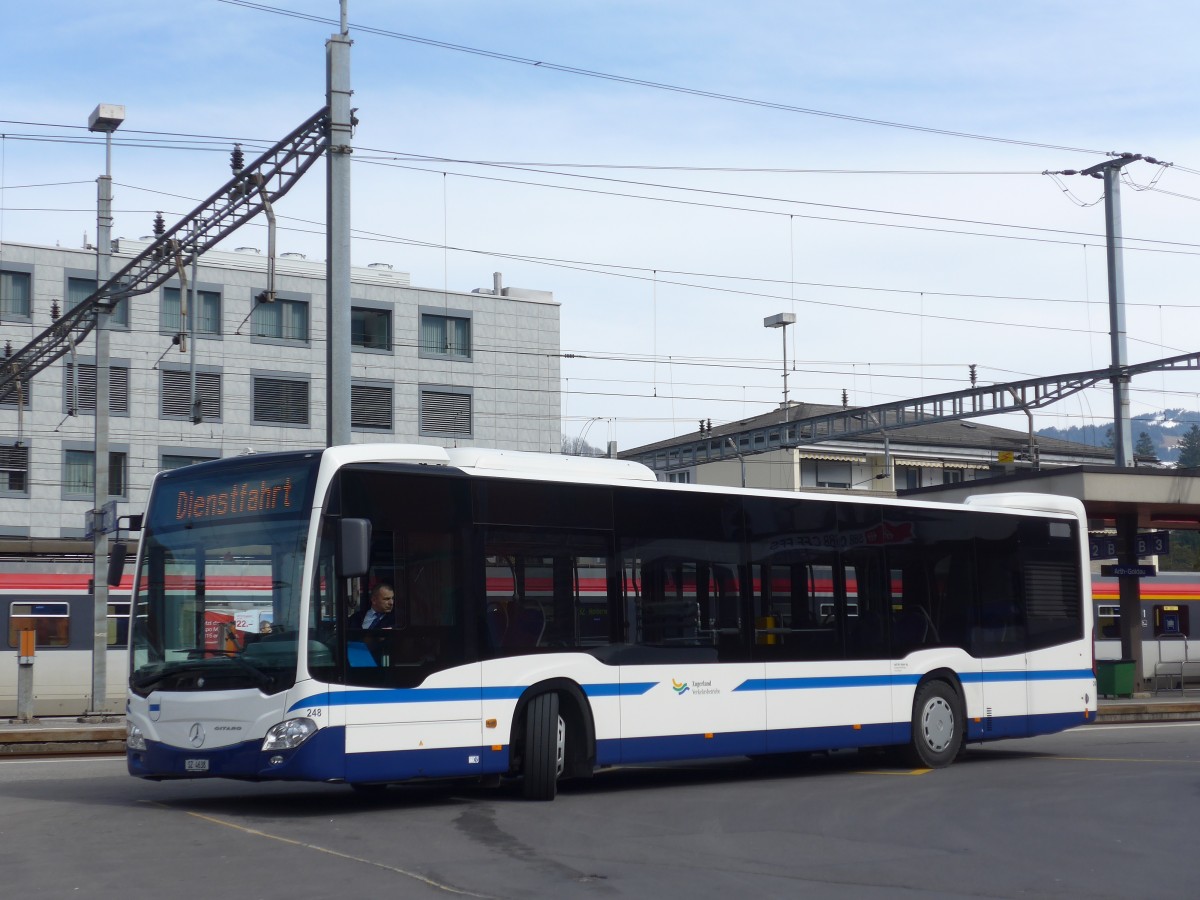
(116, 564)
(354, 548)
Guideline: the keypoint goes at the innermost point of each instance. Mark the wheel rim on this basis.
(560, 748)
(937, 724)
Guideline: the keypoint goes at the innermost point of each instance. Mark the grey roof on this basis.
(962, 434)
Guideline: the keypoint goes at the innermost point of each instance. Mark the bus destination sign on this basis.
(254, 492)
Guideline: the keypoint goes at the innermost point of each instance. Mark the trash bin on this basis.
(1114, 677)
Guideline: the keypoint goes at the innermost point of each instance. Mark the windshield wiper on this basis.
(169, 670)
(261, 679)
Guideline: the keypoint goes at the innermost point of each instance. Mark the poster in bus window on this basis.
(220, 632)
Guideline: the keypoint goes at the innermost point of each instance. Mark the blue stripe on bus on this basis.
(453, 695)
(853, 681)
(1021, 675)
(632, 689)
(829, 681)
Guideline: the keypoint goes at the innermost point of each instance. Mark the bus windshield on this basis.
(217, 597)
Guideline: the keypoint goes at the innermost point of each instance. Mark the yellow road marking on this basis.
(893, 772)
(307, 846)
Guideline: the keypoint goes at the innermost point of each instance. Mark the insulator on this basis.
(7, 349)
(54, 311)
(237, 160)
(160, 225)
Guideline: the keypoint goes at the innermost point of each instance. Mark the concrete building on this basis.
(756, 452)
(428, 366)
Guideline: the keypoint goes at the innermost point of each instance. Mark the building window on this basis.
(445, 413)
(179, 460)
(176, 395)
(82, 389)
(14, 470)
(10, 397)
(79, 473)
(371, 407)
(952, 476)
(448, 336)
(79, 289)
(207, 315)
(16, 291)
(51, 623)
(683, 477)
(282, 320)
(370, 329)
(829, 473)
(280, 401)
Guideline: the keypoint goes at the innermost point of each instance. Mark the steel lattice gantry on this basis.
(251, 190)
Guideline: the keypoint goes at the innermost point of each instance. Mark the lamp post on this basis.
(105, 118)
(782, 321)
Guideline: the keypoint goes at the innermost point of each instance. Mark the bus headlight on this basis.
(289, 735)
(134, 739)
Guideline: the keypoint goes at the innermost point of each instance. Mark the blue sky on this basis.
(884, 312)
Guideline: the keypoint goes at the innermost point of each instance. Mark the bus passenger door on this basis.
(689, 688)
(1000, 643)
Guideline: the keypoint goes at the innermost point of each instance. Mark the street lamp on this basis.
(782, 321)
(105, 118)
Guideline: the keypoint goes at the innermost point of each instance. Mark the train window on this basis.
(51, 622)
(1108, 621)
(118, 624)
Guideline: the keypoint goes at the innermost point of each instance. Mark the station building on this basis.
(767, 451)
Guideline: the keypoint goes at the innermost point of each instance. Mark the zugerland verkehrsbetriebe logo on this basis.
(700, 688)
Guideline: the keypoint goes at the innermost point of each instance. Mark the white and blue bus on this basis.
(555, 615)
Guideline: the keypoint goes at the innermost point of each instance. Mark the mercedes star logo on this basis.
(196, 735)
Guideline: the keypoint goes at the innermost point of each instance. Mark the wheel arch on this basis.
(947, 675)
(576, 713)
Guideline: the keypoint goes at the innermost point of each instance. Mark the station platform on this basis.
(63, 735)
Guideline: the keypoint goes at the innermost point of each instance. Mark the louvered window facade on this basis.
(85, 389)
(371, 407)
(445, 413)
(280, 401)
(176, 392)
(9, 400)
(14, 470)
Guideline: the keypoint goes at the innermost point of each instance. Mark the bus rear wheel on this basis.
(545, 748)
(937, 726)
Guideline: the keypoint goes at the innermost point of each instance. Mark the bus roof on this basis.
(487, 462)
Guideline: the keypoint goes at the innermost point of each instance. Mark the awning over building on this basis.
(938, 464)
(831, 457)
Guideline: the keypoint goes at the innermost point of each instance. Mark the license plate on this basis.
(195, 765)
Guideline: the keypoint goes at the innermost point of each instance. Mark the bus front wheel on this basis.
(937, 726)
(545, 747)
